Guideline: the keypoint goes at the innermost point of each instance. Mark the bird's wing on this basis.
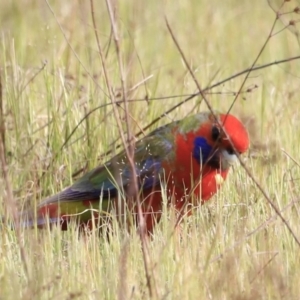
(116, 175)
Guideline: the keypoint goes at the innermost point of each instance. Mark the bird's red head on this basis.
(235, 131)
(217, 140)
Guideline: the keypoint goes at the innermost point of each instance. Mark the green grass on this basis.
(234, 247)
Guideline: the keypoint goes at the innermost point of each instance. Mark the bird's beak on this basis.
(227, 159)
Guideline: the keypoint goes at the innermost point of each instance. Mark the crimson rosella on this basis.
(188, 159)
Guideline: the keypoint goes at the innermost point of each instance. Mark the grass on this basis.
(233, 248)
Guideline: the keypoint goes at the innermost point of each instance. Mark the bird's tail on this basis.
(28, 219)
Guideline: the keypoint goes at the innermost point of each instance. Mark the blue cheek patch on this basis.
(202, 150)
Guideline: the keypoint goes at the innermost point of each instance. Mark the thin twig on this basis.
(292, 158)
(259, 228)
(264, 267)
(2, 120)
(73, 50)
(253, 64)
(275, 208)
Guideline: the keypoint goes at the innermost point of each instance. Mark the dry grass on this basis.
(53, 83)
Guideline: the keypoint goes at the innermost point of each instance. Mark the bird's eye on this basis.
(215, 133)
(231, 151)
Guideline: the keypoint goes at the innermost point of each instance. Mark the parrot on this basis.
(185, 162)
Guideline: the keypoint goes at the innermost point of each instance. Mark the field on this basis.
(57, 121)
